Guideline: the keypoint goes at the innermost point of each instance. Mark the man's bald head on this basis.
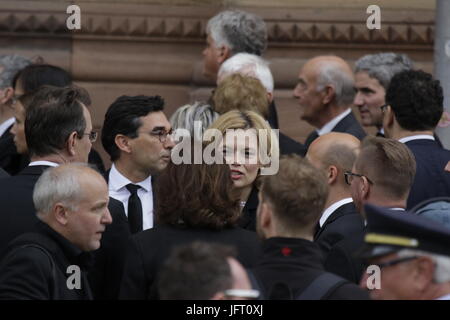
(334, 149)
(335, 72)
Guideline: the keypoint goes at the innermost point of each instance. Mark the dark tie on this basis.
(134, 209)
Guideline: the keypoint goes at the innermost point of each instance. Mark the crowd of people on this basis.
(269, 218)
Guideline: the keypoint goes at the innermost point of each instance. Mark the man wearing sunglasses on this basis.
(410, 256)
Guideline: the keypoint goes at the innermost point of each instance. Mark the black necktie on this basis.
(134, 209)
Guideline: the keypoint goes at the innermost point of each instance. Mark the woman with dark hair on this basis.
(193, 202)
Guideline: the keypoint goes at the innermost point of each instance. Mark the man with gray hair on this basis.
(50, 263)
(231, 32)
(373, 74)
(325, 94)
(409, 256)
(9, 66)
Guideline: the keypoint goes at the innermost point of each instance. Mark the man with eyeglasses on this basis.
(381, 175)
(373, 73)
(10, 159)
(409, 254)
(58, 127)
(138, 138)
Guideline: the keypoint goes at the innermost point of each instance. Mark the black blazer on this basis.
(431, 179)
(10, 160)
(289, 145)
(248, 215)
(339, 225)
(17, 209)
(31, 273)
(342, 258)
(294, 264)
(348, 124)
(106, 274)
(149, 249)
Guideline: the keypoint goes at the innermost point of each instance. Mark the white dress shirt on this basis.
(417, 137)
(117, 190)
(330, 125)
(446, 297)
(6, 124)
(329, 211)
(43, 163)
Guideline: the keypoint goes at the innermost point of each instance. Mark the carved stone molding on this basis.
(172, 28)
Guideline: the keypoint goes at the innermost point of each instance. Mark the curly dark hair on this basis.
(197, 195)
(416, 99)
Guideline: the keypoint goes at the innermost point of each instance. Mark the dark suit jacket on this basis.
(248, 215)
(106, 274)
(17, 209)
(339, 225)
(10, 160)
(3, 174)
(342, 259)
(31, 273)
(289, 145)
(294, 264)
(149, 249)
(349, 125)
(431, 180)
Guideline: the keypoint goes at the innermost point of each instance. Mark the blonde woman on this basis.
(249, 145)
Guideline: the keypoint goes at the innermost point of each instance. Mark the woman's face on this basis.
(241, 154)
(18, 129)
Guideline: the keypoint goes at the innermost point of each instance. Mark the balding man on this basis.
(49, 263)
(334, 153)
(325, 94)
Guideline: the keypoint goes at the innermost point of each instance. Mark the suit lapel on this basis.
(348, 208)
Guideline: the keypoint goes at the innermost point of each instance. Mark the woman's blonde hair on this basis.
(237, 119)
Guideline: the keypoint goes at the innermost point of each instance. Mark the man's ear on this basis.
(270, 96)
(123, 143)
(364, 188)
(60, 213)
(71, 142)
(328, 94)
(424, 269)
(265, 215)
(224, 54)
(6, 95)
(388, 118)
(332, 174)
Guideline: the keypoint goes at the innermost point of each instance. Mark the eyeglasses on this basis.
(384, 107)
(348, 175)
(92, 136)
(162, 135)
(393, 262)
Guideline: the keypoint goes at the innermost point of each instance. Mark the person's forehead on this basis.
(154, 120)
(362, 78)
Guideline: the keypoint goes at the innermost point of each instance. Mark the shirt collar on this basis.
(6, 124)
(416, 137)
(43, 163)
(118, 181)
(329, 211)
(445, 297)
(330, 125)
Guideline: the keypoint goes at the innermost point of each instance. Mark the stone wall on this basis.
(154, 47)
